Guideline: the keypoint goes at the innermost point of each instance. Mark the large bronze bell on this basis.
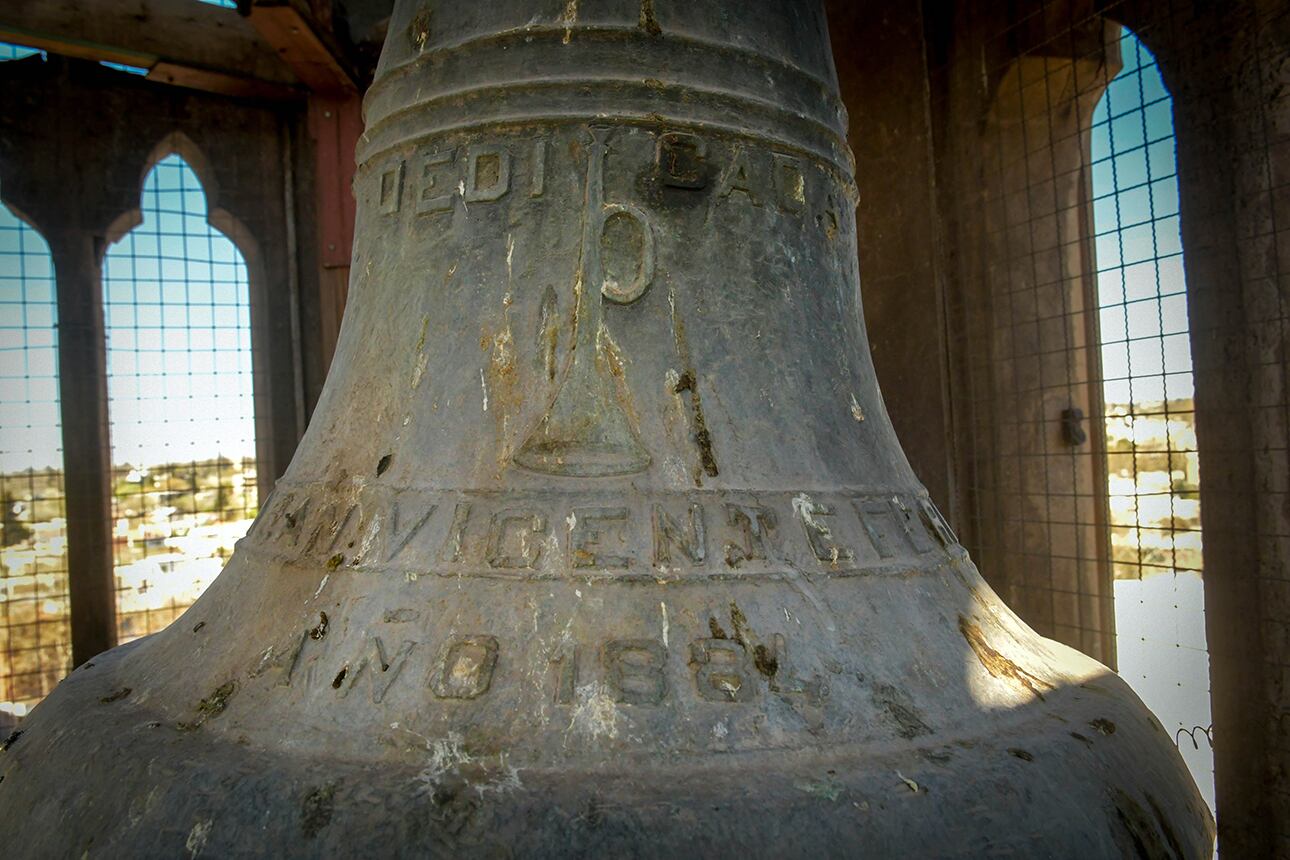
(600, 541)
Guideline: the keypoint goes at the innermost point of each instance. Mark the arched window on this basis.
(180, 401)
(1153, 469)
(35, 634)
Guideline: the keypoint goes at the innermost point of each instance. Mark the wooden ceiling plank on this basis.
(221, 83)
(301, 48)
(183, 32)
(79, 48)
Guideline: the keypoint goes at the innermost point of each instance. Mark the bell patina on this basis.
(600, 540)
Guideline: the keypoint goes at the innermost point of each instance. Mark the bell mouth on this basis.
(1077, 791)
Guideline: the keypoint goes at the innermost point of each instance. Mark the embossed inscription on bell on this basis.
(586, 431)
(600, 540)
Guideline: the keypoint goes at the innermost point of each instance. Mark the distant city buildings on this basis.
(176, 525)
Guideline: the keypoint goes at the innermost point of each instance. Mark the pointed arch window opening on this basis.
(1153, 469)
(177, 319)
(35, 626)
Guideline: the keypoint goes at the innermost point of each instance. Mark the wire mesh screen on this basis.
(1081, 455)
(35, 636)
(1017, 83)
(1153, 469)
(177, 316)
(1029, 387)
(1261, 148)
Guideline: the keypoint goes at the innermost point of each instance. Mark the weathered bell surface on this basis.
(600, 539)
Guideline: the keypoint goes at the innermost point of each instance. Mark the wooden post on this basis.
(87, 448)
(335, 125)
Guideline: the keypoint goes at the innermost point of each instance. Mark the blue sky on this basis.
(176, 307)
(177, 313)
(1146, 354)
(1146, 359)
(29, 419)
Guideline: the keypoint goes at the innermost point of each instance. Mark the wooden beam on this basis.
(72, 47)
(335, 125)
(87, 451)
(304, 47)
(220, 82)
(196, 44)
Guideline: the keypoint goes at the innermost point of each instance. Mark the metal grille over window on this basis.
(1152, 464)
(35, 636)
(177, 312)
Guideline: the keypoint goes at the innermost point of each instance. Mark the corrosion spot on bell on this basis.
(419, 30)
(211, 706)
(1102, 726)
(701, 435)
(317, 809)
(647, 21)
(766, 661)
(997, 664)
(319, 630)
(115, 697)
